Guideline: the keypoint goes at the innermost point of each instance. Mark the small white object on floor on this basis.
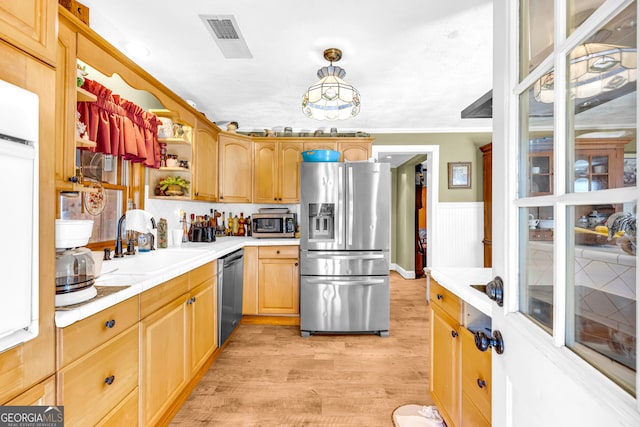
(417, 416)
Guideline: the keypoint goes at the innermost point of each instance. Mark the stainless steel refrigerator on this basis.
(344, 248)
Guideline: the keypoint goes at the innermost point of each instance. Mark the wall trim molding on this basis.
(404, 273)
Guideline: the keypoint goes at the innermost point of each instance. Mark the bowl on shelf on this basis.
(320, 156)
(546, 224)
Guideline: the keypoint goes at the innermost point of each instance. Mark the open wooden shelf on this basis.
(85, 95)
(85, 143)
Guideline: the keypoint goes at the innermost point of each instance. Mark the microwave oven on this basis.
(273, 225)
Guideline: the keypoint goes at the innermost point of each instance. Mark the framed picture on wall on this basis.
(459, 175)
(630, 170)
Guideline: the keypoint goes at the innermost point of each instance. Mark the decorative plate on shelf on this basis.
(95, 201)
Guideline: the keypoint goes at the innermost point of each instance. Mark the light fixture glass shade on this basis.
(594, 68)
(331, 98)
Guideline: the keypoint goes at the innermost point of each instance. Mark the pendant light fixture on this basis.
(594, 68)
(331, 98)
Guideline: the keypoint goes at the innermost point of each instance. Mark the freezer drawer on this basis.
(343, 263)
(340, 304)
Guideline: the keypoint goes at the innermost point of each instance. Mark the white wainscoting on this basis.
(458, 235)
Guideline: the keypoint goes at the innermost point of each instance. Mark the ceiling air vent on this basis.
(226, 33)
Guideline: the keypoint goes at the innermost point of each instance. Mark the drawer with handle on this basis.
(444, 299)
(80, 337)
(91, 386)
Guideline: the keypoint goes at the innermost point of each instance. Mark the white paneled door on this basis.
(565, 197)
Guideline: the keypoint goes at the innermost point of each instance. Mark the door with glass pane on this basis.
(565, 194)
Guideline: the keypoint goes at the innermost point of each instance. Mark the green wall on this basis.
(454, 147)
(404, 198)
(463, 147)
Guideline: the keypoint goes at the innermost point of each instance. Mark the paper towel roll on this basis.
(138, 220)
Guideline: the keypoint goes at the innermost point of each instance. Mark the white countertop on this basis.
(458, 281)
(144, 270)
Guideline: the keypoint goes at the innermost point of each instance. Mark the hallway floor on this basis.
(271, 376)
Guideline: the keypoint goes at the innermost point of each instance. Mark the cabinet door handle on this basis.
(296, 264)
(110, 323)
(454, 334)
(110, 379)
(278, 252)
(481, 383)
(439, 296)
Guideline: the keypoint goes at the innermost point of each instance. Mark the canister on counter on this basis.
(162, 233)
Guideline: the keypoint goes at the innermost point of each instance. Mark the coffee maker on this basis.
(75, 267)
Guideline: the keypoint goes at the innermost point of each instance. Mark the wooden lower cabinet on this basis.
(41, 394)
(92, 386)
(250, 281)
(271, 280)
(278, 280)
(177, 338)
(445, 369)
(460, 373)
(125, 414)
(476, 382)
(163, 360)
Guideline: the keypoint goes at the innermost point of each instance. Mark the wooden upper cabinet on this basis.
(276, 171)
(65, 107)
(30, 25)
(353, 151)
(320, 145)
(289, 171)
(236, 168)
(265, 171)
(205, 163)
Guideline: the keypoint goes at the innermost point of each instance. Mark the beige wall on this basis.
(454, 147)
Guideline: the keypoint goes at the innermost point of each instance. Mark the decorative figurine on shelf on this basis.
(81, 128)
(269, 133)
(232, 126)
(81, 73)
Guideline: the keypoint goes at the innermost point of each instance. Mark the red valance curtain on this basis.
(120, 127)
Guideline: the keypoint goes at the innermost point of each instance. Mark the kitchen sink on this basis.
(151, 262)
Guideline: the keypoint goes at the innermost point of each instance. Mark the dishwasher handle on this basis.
(233, 258)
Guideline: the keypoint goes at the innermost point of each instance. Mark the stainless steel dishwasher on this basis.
(230, 270)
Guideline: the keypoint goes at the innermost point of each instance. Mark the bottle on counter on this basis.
(235, 226)
(229, 230)
(241, 227)
(185, 231)
(192, 217)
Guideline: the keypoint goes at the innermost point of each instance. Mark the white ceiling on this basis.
(416, 63)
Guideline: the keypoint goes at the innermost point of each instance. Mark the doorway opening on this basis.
(403, 244)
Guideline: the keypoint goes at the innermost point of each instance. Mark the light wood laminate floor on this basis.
(270, 376)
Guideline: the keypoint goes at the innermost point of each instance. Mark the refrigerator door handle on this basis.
(350, 207)
(344, 257)
(326, 281)
(340, 206)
